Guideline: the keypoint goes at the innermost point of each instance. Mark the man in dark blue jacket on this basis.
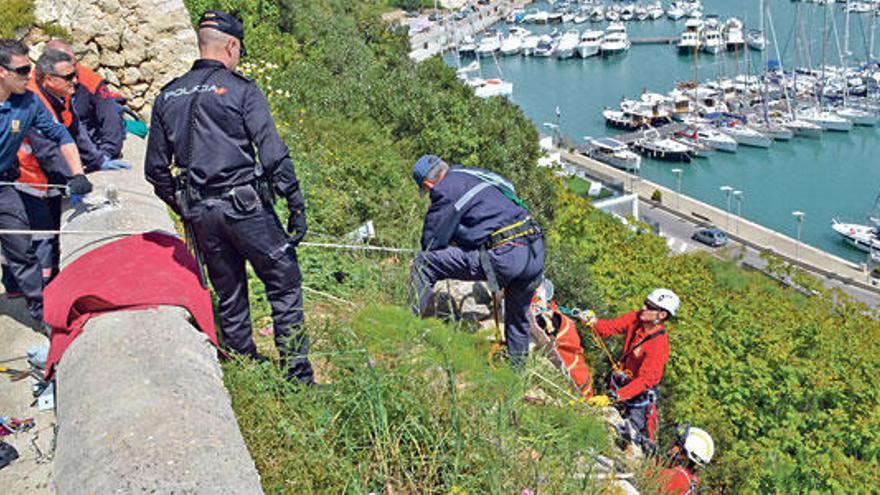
(477, 229)
(20, 110)
(210, 125)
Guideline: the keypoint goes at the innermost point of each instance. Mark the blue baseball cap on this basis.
(225, 23)
(424, 165)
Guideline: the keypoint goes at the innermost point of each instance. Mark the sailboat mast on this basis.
(781, 65)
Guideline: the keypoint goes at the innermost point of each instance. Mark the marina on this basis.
(793, 153)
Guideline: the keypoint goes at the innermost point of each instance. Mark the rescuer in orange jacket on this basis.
(643, 360)
(99, 108)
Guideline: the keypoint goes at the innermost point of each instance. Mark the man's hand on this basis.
(600, 401)
(588, 318)
(115, 165)
(79, 184)
(297, 227)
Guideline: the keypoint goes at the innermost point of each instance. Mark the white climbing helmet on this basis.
(664, 299)
(697, 443)
(545, 291)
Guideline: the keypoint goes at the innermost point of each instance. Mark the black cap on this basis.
(225, 23)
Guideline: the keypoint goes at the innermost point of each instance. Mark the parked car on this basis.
(711, 237)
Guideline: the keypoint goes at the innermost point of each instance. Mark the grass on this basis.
(413, 407)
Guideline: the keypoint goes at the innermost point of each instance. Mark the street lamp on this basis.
(799, 219)
(739, 197)
(727, 190)
(633, 180)
(677, 172)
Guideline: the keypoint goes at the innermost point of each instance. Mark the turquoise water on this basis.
(837, 176)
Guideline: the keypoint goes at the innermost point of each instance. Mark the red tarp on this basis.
(137, 272)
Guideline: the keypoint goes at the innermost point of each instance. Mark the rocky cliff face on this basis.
(136, 45)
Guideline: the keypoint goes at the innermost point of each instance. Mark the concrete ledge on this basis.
(141, 405)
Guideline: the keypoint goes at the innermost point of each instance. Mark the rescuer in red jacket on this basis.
(642, 362)
(693, 449)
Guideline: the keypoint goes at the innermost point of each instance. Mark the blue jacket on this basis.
(18, 115)
(101, 116)
(487, 211)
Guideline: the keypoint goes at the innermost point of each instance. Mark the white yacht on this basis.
(614, 153)
(756, 40)
(653, 145)
(733, 35)
(689, 41)
(486, 88)
(545, 46)
(802, 128)
(488, 46)
(713, 138)
(829, 121)
(675, 13)
(511, 45)
(590, 44)
(864, 237)
(567, 44)
(529, 44)
(858, 116)
(655, 11)
(713, 40)
(616, 40)
(745, 135)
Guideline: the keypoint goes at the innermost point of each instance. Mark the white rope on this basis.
(33, 184)
(363, 247)
(138, 232)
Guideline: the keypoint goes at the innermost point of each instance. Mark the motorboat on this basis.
(511, 45)
(774, 131)
(858, 116)
(554, 17)
(545, 47)
(802, 128)
(689, 41)
(756, 40)
(529, 44)
(597, 14)
(489, 45)
(567, 44)
(828, 120)
(655, 11)
(636, 114)
(863, 237)
(691, 140)
(612, 15)
(616, 40)
(541, 17)
(733, 35)
(653, 145)
(735, 127)
(613, 152)
(567, 17)
(641, 13)
(590, 43)
(713, 40)
(468, 47)
(581, 17)
(627, 13)
(487, 88)
(675, 13)
(715, 139)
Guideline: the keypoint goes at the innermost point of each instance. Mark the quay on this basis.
(445, 34)
(737, 228)
(657, 40)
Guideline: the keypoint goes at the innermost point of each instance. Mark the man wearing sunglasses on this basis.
(21, 110)
(641, 365)
(98, 108)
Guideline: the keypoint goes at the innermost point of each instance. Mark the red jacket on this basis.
(645, 362)
(678, 481)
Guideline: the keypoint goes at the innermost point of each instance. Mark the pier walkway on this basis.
(739, 229)
(443, 35)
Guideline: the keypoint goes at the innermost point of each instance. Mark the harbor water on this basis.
(837, 176)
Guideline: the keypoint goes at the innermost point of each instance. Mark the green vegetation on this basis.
(14, 16)
(784, 383)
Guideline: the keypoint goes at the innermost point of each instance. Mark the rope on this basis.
(357, 247)
(600, 343)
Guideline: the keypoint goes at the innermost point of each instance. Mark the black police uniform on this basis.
(207, 122)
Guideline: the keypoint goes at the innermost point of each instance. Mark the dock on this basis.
(737, 228)
(656, 40)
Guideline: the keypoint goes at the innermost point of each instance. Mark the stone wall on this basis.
(136, 45)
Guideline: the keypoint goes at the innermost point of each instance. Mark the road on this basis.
(678, 231)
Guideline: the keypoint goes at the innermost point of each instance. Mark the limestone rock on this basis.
(457, 299)
(129, 42)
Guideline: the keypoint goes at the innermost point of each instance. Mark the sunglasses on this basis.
(23, 70)
(69, 77)
(651, 307)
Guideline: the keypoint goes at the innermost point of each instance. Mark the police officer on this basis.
(21, 110)
(206, 124)
(477, 229)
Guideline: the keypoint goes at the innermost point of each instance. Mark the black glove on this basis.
(296, 226)
(79, 184)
